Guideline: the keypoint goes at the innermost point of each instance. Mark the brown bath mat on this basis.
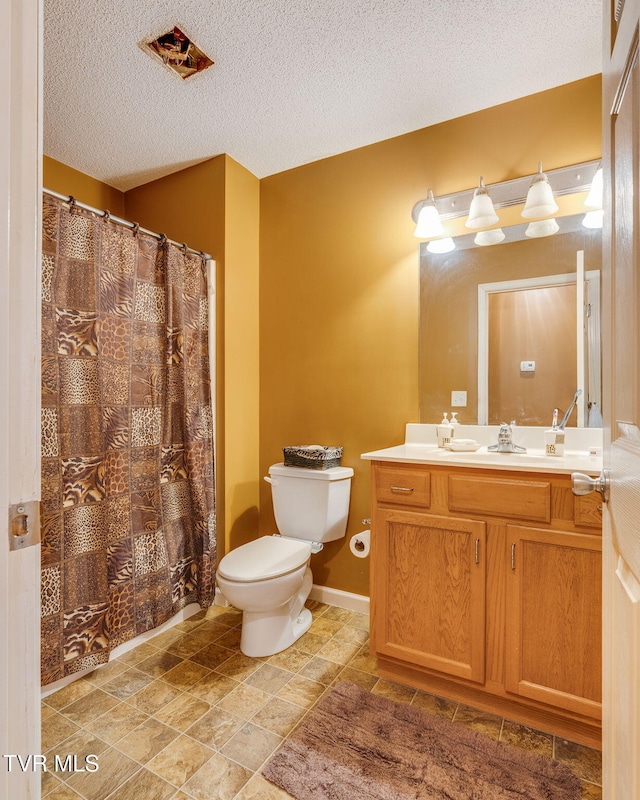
(356, 745)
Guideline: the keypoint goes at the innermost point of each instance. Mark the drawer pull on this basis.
(407, 489)
(513, 556)
(477, 551)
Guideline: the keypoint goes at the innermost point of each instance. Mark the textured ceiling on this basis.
(293, 81)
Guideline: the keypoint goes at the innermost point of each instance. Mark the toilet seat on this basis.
(264, 558)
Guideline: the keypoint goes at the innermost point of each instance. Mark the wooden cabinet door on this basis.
(429, 595)
(554, 618)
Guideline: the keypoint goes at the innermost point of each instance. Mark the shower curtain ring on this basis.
(106, 216)
(163, 239)
(184, 248)
(135, 227)
(72, 203)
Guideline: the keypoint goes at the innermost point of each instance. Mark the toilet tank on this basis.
(311, 504)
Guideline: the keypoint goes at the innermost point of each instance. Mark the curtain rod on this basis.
(119, 221)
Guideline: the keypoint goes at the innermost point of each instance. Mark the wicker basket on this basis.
(312, 457)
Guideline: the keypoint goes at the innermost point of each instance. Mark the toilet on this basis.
(269, 579)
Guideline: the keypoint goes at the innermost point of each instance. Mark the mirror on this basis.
(501, 324)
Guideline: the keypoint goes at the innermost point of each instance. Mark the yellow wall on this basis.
(213, 206)
(339, 281)
(63, 179)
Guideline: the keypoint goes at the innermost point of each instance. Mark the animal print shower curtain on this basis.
(128, 533)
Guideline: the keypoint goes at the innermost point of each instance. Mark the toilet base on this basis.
(265, 633)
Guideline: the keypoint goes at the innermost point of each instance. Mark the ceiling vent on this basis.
(177, 52)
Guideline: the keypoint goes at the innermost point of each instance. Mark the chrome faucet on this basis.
(505, 441)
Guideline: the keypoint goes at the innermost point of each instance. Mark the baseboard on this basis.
(337, 597)
(121, 649)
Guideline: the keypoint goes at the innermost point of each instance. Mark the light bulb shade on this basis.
(481, 211)
(428, 224)
(486, 238)
(593, 219)
(540, 200)
(445, 245)
(542, 227)
(594, 198)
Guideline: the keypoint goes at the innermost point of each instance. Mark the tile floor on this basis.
(187, 716)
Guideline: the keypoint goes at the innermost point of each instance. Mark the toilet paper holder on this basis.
(359, 544)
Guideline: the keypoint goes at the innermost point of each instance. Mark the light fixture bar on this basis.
(564, 180)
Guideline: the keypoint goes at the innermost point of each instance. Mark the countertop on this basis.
(576, 458)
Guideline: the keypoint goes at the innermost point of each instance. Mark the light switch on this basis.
(458, 399)
(527, 366)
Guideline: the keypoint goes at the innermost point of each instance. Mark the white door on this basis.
(19, 392)
(621, 371)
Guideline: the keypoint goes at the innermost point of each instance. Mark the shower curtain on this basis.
(128, 530)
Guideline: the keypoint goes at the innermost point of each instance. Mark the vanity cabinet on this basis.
(485, 588)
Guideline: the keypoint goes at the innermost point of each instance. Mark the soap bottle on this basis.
(454, 423)
(444, 431)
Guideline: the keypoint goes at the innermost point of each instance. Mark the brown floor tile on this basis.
(116, 723)
(340, 652)
(259, 788)
(321, 670)
(163, 640)
(291, 659)
(114, 769)
(56, 729)
(184, 647)
(147, 741)
(63, 792)
(159, 663)
(215, 728)
(316, 608)
(64, 697)
(213, 687)
(360, 621)
(528, 738)
(213, 628)
(590, 791)
(584, 761)
(238, 667)
(337, 614)
(144, 786)
(211, 656)
(229, 617)
(48, 782)
(218, 779)
(82, 743)
(244, 701)
(105, 673)
(268, 678)
(185, 675)
(182, 712)
(325, 627)
(394, 691)
(301, 691)
(130, 682)
(310, 643)
(45, 711)
(365, 680)
(251, 746)
(354, 635)
(230, 639)
(480, 721)
(180, 760)
(364, 662)
(138, 654)
(434, 704)
(154, 696)
(278, 716)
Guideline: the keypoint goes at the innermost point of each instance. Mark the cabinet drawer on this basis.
(587, 510)
(501, 497)
(406, 487)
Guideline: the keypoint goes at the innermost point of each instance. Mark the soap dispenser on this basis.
(454, 423)
(444, 431)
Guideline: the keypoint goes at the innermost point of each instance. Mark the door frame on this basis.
(20, 232)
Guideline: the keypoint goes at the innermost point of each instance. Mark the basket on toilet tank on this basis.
(312, 456)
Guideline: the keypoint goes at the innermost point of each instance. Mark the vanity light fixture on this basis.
(486, 238)
(481, 211)
(444, 245)
(541, 227)
(428, 224)
(540, 200)
(594, 198)
(593, 219)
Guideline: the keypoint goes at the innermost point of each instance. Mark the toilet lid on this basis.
(266, 557)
